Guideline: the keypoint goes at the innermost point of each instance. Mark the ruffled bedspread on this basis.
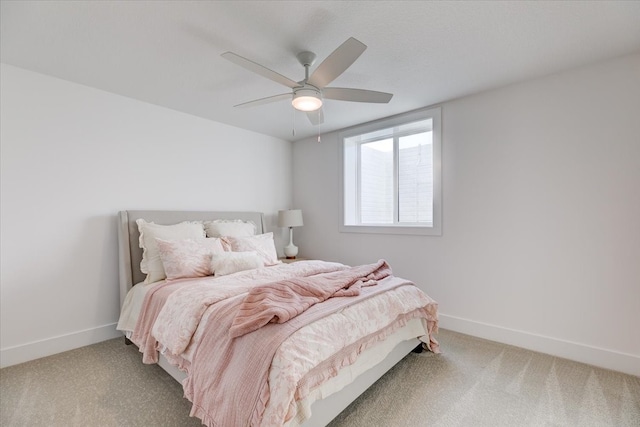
(232, 384)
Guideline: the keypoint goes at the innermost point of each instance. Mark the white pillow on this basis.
(229, 227)
(263, 244)
(188, 258)
(151, 263)
(232, 262)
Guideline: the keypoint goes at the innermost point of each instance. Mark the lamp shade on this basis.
(290, 218)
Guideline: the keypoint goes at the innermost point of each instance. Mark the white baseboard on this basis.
(47, 347)
(608, 359)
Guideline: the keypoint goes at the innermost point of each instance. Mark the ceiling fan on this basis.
(307, 95)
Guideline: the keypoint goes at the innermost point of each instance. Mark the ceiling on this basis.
(168, 53)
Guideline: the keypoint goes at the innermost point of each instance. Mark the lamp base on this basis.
(290, 251)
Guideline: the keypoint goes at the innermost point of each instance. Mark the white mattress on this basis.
(132, 305)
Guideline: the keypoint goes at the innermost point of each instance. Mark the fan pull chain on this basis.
(293, 122)
(319, 139)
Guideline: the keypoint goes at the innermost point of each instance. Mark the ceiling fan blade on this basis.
(259, 69)
(316, 117)
(336, 63)
(266, 100)
(356, 95)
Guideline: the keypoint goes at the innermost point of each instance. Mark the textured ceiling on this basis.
(168, 53)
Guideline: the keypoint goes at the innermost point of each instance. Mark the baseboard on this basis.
(603, 358)
(47, 347)
(608, 359)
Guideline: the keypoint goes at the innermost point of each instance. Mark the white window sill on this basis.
(392, 229)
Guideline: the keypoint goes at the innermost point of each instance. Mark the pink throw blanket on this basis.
(281, 301)
(153, 303)
(228, 381)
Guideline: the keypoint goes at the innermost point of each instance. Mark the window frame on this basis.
(433, 113)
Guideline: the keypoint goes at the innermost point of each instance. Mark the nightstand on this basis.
(289, 261)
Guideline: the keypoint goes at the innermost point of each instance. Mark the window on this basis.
(391, 175)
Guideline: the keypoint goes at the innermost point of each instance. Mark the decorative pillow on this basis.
(188, 258)
(263, 244)
(232, 262)
(149, 231)
(229, 227)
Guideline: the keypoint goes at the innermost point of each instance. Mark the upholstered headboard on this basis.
(130, 253)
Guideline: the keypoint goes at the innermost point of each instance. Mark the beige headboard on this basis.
(130, 253)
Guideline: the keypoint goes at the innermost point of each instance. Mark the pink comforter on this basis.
(172, 311)
(279, 302)
(216, 364)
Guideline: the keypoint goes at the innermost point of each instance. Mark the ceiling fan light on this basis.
(306, 100)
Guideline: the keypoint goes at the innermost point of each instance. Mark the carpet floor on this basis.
(474, 382)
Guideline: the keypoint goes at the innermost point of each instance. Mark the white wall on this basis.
(541, 215)
(72, 157)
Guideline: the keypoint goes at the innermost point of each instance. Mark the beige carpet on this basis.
(473, 383)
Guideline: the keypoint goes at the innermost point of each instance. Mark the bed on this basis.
(327, 386)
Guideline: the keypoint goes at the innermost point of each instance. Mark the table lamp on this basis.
(290, 218)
